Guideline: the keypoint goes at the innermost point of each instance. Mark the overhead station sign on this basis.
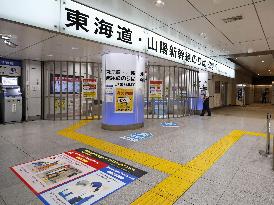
(85, 22)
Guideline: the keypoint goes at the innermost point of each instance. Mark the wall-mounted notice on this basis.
(80, 177)
(89, 88)
(109, 91)
(60, 103)
(155, 88)
(124, 100)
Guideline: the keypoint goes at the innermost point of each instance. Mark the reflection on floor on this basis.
(240, 176)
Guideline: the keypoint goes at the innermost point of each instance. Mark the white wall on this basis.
(32, 89)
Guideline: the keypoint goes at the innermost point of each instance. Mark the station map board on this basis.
(80, 176)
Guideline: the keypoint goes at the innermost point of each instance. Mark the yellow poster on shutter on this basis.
(124, 100)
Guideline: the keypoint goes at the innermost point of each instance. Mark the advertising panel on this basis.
(124, 100)
(155, 88)
(89, 88)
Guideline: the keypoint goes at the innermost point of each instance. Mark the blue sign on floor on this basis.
(137, 136)
(169, 124)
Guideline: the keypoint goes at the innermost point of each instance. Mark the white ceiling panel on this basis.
(266, 14)
(23, 36)
(252, 46)
(173, 11)
(242, 30)
(196, 27)
(271, 43)
(212, 6)
(124, 11)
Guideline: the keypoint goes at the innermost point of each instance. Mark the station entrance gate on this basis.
(169, 91)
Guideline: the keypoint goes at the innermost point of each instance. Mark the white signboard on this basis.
(76, 19)
(86, 22)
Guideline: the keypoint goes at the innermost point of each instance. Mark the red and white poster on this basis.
(155, 88)
(89, 88)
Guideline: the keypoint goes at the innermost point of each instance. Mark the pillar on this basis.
(123, 91)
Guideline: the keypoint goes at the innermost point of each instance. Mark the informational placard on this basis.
(109, 92)
(60, 103)
(169, 124)
(124, 100)
(80, 177)
(89, 88)
(155, 88)
(137, 136)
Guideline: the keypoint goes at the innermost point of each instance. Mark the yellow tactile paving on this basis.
(181, 178)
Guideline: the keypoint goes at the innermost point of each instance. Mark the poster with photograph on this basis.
(124, 100)
(88, 189)
(43, 174)
(89, 88)
(155, 88)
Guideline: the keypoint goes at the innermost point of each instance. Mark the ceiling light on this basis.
(5, 36)
(74, 48)
(203, 35)
(236, 58)
(50, 55)
(10, 44)
(269, 70)
(262, 61)
(159, 3)
(258, 74)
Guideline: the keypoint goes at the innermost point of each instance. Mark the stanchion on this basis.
(266, 153)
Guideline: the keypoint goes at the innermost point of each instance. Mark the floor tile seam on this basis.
(2, 199)
(20, 148)
(228, 184)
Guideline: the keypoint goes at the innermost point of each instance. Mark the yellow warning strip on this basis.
(153, 162)
(174, 186)
(181, 178)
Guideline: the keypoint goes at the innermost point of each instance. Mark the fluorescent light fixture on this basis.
(6, 39)
(159, 3)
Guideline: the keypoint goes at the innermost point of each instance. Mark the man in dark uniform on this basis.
(206, 104)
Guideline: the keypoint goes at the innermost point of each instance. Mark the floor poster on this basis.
(137, 136)
(76, 177)
(169, 124)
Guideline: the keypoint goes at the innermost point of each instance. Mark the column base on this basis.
(122, 127)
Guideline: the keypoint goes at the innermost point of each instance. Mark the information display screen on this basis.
(9, 81)
(67, 84)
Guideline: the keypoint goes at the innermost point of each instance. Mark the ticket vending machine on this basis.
(10, 100)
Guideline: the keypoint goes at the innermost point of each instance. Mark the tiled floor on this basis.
(241, 176)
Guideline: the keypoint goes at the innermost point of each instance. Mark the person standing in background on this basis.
(206, 104)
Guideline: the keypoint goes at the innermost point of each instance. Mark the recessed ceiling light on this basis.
(159, 3)
(262, 61)
(258, 74)
(74, 48)
(203, 35)
(236, 58)
(50, 55)
(269, 70)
